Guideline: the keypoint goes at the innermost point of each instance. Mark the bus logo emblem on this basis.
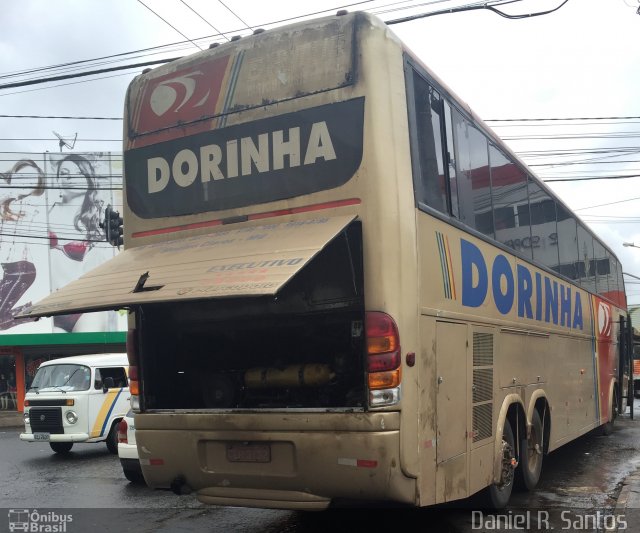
(604, 319)
(178, 91)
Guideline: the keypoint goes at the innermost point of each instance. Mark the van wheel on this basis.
(61, 447)
(528, 474)
(112, 438)
(134, 476)
(497, 496)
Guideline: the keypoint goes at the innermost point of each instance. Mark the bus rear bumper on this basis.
(301, 468)
(262, 498)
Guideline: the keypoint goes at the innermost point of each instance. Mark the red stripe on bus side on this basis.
(256, 216)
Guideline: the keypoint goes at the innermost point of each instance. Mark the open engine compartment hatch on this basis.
(247, 261)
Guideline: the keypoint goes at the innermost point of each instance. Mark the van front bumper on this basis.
(54, 437)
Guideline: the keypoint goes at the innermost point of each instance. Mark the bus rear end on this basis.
(270, 270)
(265, 376)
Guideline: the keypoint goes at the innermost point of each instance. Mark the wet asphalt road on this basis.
(578, 491)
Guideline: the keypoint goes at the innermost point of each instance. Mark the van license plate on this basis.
(41, 436)
(248, 453)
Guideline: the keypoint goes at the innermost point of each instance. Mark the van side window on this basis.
(118, 374)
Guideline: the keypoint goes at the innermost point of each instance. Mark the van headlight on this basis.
(71, 417)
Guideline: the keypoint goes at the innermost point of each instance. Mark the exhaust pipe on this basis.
(180, 487)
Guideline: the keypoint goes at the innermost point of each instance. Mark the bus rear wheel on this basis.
(607, 427)
(531, 453)
(497, 496)
(61, 447)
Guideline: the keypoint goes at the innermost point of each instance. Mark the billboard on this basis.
(51, 206)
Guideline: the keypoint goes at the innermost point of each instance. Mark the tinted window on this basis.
(586, 264)
(613, 277)
(602, 268)
(567, 240)
(509, 196)
(118, 375)
(472, 166)
(450, 158)
(541, 215)
(430, 186)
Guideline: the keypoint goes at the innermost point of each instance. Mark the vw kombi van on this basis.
(77, 399)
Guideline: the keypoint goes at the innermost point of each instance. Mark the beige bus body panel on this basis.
(530, 361)
(330, 455)
(236, 262)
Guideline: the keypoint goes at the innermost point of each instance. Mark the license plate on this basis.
(41, 436)
(249, 453)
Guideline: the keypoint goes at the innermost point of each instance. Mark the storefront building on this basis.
(21, 355)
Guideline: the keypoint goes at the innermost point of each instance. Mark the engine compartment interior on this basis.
(303, 348)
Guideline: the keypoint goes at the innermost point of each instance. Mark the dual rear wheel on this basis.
(523, 474)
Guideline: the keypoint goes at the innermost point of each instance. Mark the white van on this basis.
(77, 399)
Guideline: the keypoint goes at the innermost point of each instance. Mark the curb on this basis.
(629, 485)
(12, 421)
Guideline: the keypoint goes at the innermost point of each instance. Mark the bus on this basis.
(342, 286)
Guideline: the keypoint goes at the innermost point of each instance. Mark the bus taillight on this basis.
(132, 355)
(383, 359)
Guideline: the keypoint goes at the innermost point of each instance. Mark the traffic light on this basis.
(113, 227)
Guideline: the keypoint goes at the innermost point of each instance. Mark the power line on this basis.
(51, 139)
(551, 180)
(235, 14)
(65, 84)
(157, 49)
(557, 119)
(205, 20)
(169, 24)
(476, 7)
(608, 203)
(60, 117)
(83, 74)
(52, 187)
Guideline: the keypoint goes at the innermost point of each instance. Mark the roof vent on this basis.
(236, 38)
(341, 12)
(214, 45)
(146, 70)
(258, 30)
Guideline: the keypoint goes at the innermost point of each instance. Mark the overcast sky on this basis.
(582, 60)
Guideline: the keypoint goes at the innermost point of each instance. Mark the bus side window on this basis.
(544, 228)
(450, 157)
(602, 268)
(431, 188)
(472, 175)
(586, 263)
(509, 196)
(567, 242)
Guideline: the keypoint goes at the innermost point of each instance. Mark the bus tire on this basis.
(112, 438)
(531, 454)
(607, 427)
(496, 496)
(61, 447)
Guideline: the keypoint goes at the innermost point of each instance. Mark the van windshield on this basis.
(65, 377)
